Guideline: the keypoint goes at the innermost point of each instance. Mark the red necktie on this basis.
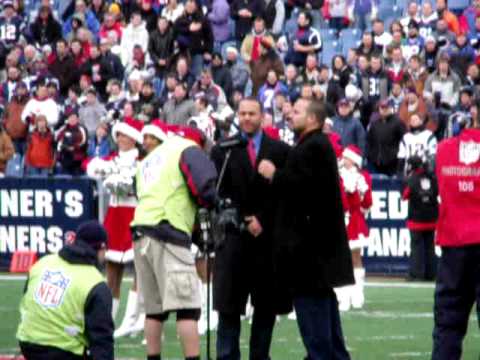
(252, 155)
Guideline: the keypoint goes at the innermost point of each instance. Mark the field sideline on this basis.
(396, 323)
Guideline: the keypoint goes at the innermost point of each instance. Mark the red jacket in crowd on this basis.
(40, 150)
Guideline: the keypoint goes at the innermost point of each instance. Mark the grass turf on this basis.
(396, 323)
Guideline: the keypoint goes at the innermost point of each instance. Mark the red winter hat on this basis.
(156, 128)
(189, 133)
(353, 153)
(129, 127)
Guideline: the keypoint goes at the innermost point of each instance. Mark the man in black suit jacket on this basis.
(244, 262)
(310, 232)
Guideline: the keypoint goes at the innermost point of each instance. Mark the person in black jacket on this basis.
(160, 46)
(88, 250)
(243, 12)
(244, 261)
(45, 30)
(62, 67)
(222, 76)
(193, 33)
(113, 60)
(99, 70)
(383, 140)
(313, 255)
(421, 191)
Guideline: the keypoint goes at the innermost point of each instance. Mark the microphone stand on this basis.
(204, 219)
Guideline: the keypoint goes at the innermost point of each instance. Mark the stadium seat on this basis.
(350, 33)
(329, 50)
(402, 4)
(349, 43)
(328, 34)
(385, 12)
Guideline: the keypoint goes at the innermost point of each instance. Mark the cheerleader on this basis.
(357, 186)
(117, 173)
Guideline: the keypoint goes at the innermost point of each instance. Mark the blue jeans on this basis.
(320, 326)
(197, 64)
(228, 336)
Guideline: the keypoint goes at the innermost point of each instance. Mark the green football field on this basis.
(396, 323)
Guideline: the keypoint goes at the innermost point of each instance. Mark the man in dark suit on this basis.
(313, 252)
(244, 262)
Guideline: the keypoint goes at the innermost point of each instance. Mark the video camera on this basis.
(226, 219)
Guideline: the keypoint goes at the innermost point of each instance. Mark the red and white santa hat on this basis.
(354, 154)
(156, 128)
(129, 127)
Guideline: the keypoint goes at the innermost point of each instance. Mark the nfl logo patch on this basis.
(51, 289)
(469, 152)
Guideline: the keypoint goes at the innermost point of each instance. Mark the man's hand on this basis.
(254, 226)
(267, 169)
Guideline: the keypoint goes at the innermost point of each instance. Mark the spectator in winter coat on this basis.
(112, 59)
(349, 128)
(414, 43)
(416, 75)
(430, 56)
(367, 46)
(134, 34)
(148, 97)
(100, 144)
(274, 16)
(428, 20)
(292, 82)
(41, 104)
(411, 16)
(72, 141)
(251, 45)
(383, 139)
(179, 108)
(219, 18)
(12, 117)
(461, 54)
(267, 61)
(412, 104)
(243, 12)
(193, 34)
(375, 86)
(62, 67)
(110, 24)
(210, 90)
(221, 75)
(364, 11)
(7, 150)
(396, 68)
(40, 158)
(160, 46)
(149, 16)
(172, 11)
(381, 37)
(449, 17)
(470, 15)
(99, 70)
(270, 89)
(443, 35)
(338, 14)
(305, 41)
(91, 113)
(45, 29)
(238, 70)
(90, 19)
(443, 81)
(14, 75)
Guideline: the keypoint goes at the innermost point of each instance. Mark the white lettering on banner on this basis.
(389, 242)
(73, 203)
(35, 238)
(26, 203)
(378, 211)
(43, 203)
(8, 203)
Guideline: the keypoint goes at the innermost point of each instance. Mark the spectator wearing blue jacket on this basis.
(219, 18)
(100, 144)
(270, 89)
(305, 41)
(461, 54)
(348, 127)
(81, 11)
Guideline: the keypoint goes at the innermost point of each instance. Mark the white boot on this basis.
(130, 324)
(358, 297)
(115, 306)
(343, 297)
(292, 315)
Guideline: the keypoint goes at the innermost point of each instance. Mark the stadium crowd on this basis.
(72, 69)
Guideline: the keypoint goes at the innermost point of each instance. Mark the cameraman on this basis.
(244, 261)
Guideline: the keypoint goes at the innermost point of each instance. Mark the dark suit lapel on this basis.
(264, 148)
